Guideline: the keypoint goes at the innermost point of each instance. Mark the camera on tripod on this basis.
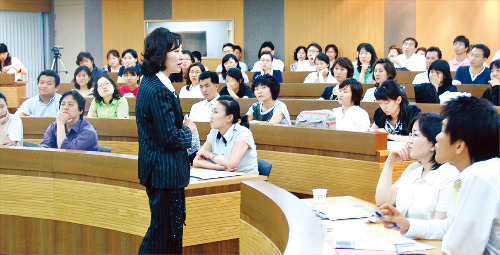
(57, 59)
(56, 49)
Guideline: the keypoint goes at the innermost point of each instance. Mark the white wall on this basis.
(69, 32)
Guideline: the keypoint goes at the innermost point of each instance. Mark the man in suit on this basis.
(164, 138)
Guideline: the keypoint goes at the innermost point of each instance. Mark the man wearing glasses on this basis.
(409, 60)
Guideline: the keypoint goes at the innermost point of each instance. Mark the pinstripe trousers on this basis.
(168, 213)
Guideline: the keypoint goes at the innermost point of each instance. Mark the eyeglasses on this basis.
(312, 51)
(102, 85)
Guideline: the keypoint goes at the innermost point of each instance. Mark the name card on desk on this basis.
(198, 174)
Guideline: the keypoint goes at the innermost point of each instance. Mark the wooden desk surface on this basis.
(358, 228)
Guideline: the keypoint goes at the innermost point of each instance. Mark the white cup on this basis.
(319, 196)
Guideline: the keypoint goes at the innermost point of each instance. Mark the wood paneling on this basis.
(122, 26)
(212, 10)
(346, 23)
(439, 22)
(26, 5)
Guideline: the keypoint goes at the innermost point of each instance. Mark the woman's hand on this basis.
(6, 69)
(364, 67)
(436, 79)
(203, 155)
(398, 155)
(494, 82)
(324, 72)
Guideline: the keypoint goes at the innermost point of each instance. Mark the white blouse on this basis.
(193, 92)
(355, 119)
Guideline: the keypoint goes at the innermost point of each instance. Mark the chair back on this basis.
(264, 167)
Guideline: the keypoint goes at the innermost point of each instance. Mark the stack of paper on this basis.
(343, 212)
(398, 244)
(206, 174)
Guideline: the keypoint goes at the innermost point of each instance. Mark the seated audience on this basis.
(187, 60)
(86, 59)
(129, 59)
(230, 61)
(342, 70)
(198, 58)
(192, 88)
(476, 73)
(228, 48)
(230, 145)
(266, 59)
(333, 53)
(493, 93)
(409, 60)
(276, 64)
(307, 65)
(472, 225)
(424, 189)
(268, 110)
(395, 113)
(238, 52)
(107, 102)
(209, 83)
(322, 74)
(461, 47)
(46, 104)
(114, 61)
(421, 51)
(11, 126)
(432, 54)
(82, 80)
(440, 82)
(298, 55)
(366, 57)
(71, 130)
(131, 87)
(10, 64)
(235, 86)
(383, 70)
(349, 116)
(394, 51)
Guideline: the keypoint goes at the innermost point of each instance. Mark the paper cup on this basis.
(319, 196)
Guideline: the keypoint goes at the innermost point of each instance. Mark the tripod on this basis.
(56, 60)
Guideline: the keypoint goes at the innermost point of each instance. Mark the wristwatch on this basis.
(212, 156)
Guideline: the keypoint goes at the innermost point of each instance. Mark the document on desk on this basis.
(398, 244)
(342, 212)
(206, 174)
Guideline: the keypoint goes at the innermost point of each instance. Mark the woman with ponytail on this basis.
(230, 145)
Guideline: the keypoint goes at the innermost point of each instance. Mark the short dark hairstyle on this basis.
(116, 92)
(334, 47)
(78, 98)
(484, 48)
(114, 53)
(87, 71)
(422, 49)
(430, 126)
(131, 51)
(228, 44)
(214, 78)
(82, 55)
(345, 63)
(237, 47)
(463, 39)
(356, 89)
(368, 47)
(495, 63)
(269, 81)
(314, 45)
(156, 46)
(390, 89)
(49, 73)
(197, 55)
(236, 74)
(396, 47)
(297, 51)
(411, 39)
(3, 48)
(131, 70)
(475, 122)
(233, 107)
(266, 53)
(4, 98)
(388, 66)
(444, 67)
(436, 49)
(8, 60)
(323, 57)
(226, 58)
(267, 44)
(202, 69)
(190, 55)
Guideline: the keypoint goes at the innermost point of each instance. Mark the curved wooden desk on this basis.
(68, 202)
(273, 221)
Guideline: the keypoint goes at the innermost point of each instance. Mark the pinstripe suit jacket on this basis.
(163, 141)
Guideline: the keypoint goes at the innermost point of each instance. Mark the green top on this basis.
(117, 107)
(368, 75)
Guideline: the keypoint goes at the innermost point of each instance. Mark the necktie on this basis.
(457, 184)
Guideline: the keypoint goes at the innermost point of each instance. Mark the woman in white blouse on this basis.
(322, 74)
(424, 190)
(349, 116)
(192, 87)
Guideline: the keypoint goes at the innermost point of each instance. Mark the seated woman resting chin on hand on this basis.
(230, 145)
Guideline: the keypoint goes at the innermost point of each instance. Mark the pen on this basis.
(321, 215)
(394, 225)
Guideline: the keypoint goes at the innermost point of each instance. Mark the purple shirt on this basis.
(82, 136)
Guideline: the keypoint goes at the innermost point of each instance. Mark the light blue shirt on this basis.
(236, 132)
(37, 108)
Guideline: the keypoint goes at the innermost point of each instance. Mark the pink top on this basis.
(454, 65)
(125, 89)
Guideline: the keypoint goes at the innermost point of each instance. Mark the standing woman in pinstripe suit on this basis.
(164, 138)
